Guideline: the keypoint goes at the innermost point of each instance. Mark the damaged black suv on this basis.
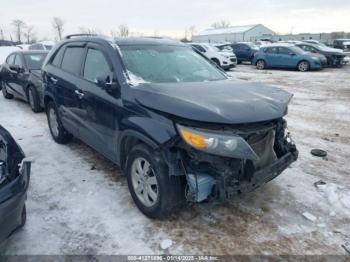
(178, 127)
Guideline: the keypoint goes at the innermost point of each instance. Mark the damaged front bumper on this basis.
(220, 178)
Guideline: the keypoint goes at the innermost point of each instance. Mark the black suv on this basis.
(178, 127)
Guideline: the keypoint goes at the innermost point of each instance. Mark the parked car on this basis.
(244, 51)
(175, 124)
(14, 181)
(281, 55)
(343, 44)
(334, 57)
(44, 45)
(224, 59)
(20, 77)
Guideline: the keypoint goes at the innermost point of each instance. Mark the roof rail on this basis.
(79, 35)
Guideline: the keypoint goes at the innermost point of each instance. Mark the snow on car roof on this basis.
(228, 30)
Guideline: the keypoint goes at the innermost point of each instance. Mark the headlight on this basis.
(225, 56)
(217, 143)
(315, 58)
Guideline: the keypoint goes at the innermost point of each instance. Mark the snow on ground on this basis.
(78, 202)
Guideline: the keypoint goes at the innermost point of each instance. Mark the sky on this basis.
(172, 18)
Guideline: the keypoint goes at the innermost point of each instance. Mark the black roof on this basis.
(124, 40)
(147, 41)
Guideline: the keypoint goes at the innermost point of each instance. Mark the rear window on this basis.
(72, 58)
(34, 61)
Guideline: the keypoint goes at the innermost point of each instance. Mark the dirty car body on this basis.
(167, 107)
(14, 181)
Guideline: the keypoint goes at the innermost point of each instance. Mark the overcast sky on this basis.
(173, 17)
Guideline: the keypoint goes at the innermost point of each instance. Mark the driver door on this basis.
(101, 107)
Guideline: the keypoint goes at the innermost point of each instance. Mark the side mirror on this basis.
(106, 83)
(16, 68)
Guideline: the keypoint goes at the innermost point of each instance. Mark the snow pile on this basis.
(340, 201)
(166, 243)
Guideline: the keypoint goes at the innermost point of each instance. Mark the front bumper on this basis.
(262, 176)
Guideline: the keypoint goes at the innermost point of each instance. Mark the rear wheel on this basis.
(33, 99)
(303, 66)
(58, 132)
(4, 91)
(260, 64)
(154, 192)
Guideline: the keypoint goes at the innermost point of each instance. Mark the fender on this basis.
(153, 132)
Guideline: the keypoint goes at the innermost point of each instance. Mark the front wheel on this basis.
(260, 64)
(4, 91)
(303, 66)
(154, 192)
(58, 132)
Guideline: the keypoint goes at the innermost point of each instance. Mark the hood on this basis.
(227, 53)
(332, 50)
(225, 101)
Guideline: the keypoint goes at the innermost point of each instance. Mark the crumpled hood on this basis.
(332, 50)
(229, 102)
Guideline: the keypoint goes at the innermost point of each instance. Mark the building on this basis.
(326, 38)
(234, 34)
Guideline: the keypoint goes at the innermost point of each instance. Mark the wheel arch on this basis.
(127, 141)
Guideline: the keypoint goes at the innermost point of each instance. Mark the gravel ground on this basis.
(78, 202)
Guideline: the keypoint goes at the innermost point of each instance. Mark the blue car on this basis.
(244, 51)
(286, 56)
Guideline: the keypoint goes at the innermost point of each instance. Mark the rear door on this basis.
(271, 56)
(99, 106)
(63, 80)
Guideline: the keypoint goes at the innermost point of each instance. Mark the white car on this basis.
(44, 45)
(224, 59)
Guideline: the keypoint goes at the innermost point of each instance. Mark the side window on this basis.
(96, 65)
(72, 59)
(57, 58)
(284, 51)
(18, 61)
(271, 50)
(10, 59)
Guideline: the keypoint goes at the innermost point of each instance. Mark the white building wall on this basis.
(253, 34)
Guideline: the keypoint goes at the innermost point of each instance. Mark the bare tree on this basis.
(221, 24)
(28, 33)
(57, 24)
(19, 25)
(2, 37)
(123, 31)
(90, 31)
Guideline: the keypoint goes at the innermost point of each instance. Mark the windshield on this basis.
(252, 45)
(165, 63)
(34, 61)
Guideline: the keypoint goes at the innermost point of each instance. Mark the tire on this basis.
(58, 132)
(33, 99)
(217, 62)
(303, 66)
(159, 194)
(4, 91)
(260, 64)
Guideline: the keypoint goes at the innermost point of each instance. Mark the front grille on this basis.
(233, 59)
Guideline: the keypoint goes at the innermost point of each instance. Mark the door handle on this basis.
(79, 93)
(53, 80)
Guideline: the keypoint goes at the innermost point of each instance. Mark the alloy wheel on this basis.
(53, 122)
(303, 66)
(144, 182)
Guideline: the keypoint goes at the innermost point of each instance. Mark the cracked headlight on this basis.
(217, 143)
